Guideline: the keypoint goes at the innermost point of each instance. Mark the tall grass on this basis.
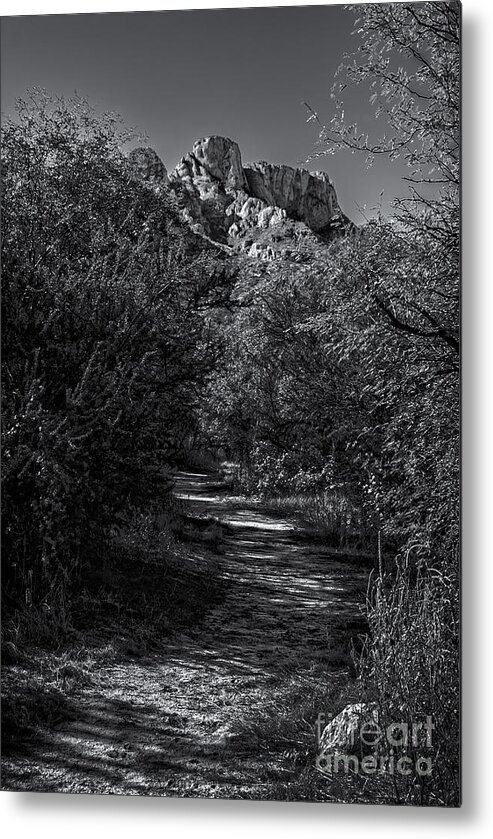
(409, 667)
(329, 517)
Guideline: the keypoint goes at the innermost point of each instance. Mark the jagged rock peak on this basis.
(215, 158)
(213, 170)
(260, 208)
(148, 166)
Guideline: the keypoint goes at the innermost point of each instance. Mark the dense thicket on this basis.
(336, 380)
(106, 339)
(342, 378)
(322, 391)
(344, 374)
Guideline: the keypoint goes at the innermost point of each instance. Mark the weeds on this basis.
(142, 585)
(284, 732)
(410, 668)
(328, 517)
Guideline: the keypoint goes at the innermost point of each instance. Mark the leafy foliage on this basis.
(331, 382)
(106, 339)
(345, 380)
(346, 372)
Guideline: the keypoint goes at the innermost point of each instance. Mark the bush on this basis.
(104, 341)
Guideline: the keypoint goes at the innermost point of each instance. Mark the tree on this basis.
(106, 304)
(395, 292)
(404, 271)
(409, 56)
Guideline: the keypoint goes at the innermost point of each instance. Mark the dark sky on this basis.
(178, 76)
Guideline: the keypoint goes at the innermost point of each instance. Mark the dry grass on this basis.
(284, 732)
(145, 586)
(410, 668)
(328, 517)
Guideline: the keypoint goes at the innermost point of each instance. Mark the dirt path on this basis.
(168, 724)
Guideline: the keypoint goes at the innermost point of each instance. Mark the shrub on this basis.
(105, 341)
(410, 668)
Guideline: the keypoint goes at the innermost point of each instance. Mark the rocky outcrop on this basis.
(213, 164)
(261, 209)
(148, 167)
(305, 196)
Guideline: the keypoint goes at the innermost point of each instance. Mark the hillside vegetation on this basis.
(326, 389)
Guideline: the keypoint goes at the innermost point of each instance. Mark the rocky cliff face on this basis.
(261, 209)
(304, 196)
(213, 163)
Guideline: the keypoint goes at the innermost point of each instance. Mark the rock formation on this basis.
(149, 167)
(261, 209)
(343, 733)
(213, 162)
(305, 196)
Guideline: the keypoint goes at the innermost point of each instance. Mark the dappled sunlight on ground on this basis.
(162, 724)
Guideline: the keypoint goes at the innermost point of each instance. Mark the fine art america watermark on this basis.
(398, 748)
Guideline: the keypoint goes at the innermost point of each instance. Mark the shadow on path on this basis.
(163, 725)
